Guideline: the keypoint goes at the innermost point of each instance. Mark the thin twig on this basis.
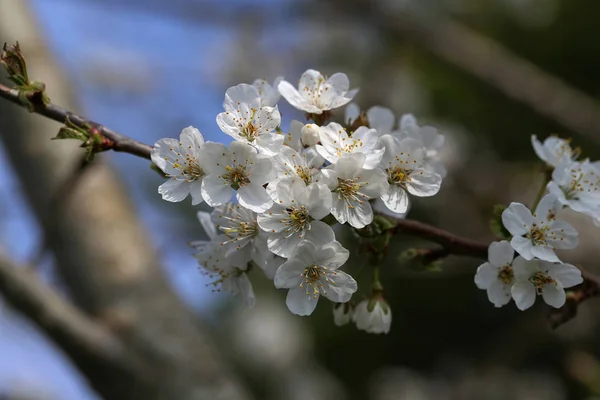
(119, 142)
(454, 244)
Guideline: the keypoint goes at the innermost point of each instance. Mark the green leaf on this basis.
(69, 133)
(383, 223)
(496, 225)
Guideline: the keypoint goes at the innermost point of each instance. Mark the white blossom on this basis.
(538, 235)
(432, 141)
(403, 163)
(312, 271)
(373, 315)
(292, 165)
(238, 167)
(296, 216)
(269, 95)
(183, 161)
(496, 276)
(335, 143)
(226, 268)
(316, 94)
(246, 120)
(577, 186)
(242, 235)
(342, 313)
(352, 187)
(228, 272)
(554, 150)
(538, 277)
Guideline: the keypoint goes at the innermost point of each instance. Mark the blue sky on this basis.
(168, 86)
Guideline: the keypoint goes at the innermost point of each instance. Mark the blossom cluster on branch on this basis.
(537, 270)
(276, 195)
(290, 187)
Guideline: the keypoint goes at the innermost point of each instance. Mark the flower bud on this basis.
(342, 313)
(13, 62)
(310, 135)
(373, 315)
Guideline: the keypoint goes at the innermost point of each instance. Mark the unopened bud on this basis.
(342, 313)
(310, 135)
(373, 315)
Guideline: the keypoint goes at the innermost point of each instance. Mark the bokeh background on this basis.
(487, 73)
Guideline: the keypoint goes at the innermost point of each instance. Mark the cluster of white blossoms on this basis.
(286, 183)
(537, 270)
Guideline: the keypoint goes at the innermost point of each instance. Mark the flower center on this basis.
(348, 189)
(298, 220)
(398, 176)
(250, 132)
(190, 169)
(239, 230)
(537, 235)
(540, 279)
(506, 274)
(236, 176)
(312, 279)
(304, 174)
(349, 147)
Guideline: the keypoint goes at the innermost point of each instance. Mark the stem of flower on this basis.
(547, 178)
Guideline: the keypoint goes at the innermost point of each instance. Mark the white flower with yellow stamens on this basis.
(554, 150)
(335, 143)
(183, 162)
(577, 186)
(538, 235)
(315, 94)
(295, 217)
(292, 165)
(312, 271)
(240, 168)
(246, 120)
(538, 277)
(432, 141)
(352, 187)
(497, 276)
(403, 163)
(227, 271)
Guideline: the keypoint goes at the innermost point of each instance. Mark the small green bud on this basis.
(13, 62)
(496, 225)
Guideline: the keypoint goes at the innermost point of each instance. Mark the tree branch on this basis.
(461, 246)
(117, 142)
(454, 244)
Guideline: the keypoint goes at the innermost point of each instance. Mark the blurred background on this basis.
(488, 74)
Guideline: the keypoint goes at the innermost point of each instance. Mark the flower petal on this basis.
(301, 303)
(517, 219)
(522, 246)
(342, 289)
(174, 190)
(486, 275)
(500, 253)
(554, 295)
(499, 293)
(396, 199)
(523, 292)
